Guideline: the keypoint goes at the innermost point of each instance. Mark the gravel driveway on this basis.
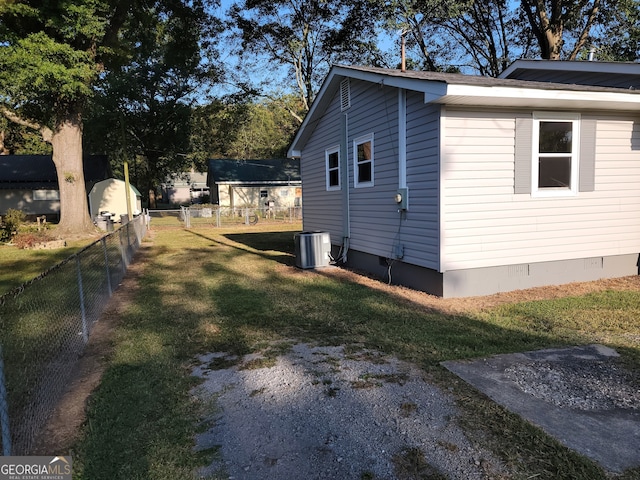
(326, 413)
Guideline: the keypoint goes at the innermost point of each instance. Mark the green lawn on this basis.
(221, 290)
(18, 266)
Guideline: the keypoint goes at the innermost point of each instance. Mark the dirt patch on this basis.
(474, 304)
(64, 426)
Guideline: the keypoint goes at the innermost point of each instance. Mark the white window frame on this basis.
(328, 169)
(574, 120)
(45, 195)
(356, 143)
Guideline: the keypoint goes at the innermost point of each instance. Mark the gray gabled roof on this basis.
(38, 172)
(624, 75)
(254, 172)
(470, 90)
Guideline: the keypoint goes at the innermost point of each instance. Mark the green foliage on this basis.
(245, 130)
(20, 140)
(142, 112)
(11, 223)
(48, 61)
(618, 38)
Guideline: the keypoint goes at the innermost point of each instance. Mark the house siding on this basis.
(23, 200)
(374, 213)
(420, 231)
(486, 224)
(322, 210)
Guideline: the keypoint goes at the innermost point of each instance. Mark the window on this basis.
(332, 158)
(363, 161)
(46, 195)
(555, 141)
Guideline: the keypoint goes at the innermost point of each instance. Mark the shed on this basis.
(110, 196)
(464, 185)
(253, 183)
(30, 183)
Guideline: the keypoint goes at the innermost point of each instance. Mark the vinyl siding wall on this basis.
(322, 210)
(374, 213)
(375, 223)
(420, 230)
(486, 224)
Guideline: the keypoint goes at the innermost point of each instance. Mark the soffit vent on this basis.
(345, 95)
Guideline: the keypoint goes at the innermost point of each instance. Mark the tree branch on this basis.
(46, 132)
(584, 35)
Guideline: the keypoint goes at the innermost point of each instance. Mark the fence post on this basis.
(85, 328)
(218, 216)
(4, 411)
(106, 264)
(246, 216)
(129, 246)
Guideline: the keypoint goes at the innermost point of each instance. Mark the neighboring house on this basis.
(110, 196)
(463, 185)
(29, 182)
(185, 188)
(255, 183)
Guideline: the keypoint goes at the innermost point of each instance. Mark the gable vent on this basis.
(345, 95)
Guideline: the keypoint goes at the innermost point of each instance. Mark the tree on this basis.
(48, 62)
(413, 19)
(52, 54)
(553, 21)
(454, 35)
(142, 111)
(484, 31)
(305, 36)
(617, 37)
(18, 140)
(245, 130)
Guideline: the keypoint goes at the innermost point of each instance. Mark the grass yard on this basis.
(208, 289)
(21, 265)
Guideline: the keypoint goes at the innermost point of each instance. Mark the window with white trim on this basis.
(363, 161)
(46, 195)
(332, 160)
(555, 143)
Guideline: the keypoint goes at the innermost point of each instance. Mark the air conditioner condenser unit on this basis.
(313, 249)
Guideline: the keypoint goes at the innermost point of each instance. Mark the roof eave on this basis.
(571, 65)
(473, 95)
(431, 88)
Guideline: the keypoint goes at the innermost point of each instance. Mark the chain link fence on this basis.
(217, 216)
(45, 325)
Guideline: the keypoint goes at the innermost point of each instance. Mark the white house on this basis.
(255, 183)
(463, 185)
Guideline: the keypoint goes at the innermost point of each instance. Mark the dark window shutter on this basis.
(522, 177)
(587, 160)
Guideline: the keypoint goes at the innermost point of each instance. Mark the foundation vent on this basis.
(515, 271)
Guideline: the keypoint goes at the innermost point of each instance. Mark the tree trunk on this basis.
(67, 157)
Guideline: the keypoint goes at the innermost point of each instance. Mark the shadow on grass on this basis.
(142, 419)
(282, 250)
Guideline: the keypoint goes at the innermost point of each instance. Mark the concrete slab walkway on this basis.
(610, 436)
